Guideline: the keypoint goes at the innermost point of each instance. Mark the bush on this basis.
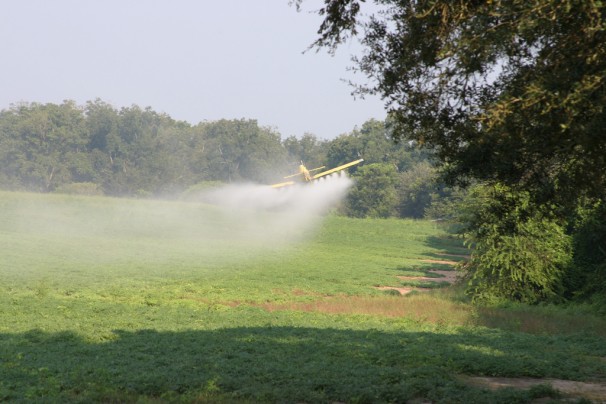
(521, 253)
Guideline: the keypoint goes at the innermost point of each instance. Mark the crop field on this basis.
(117, 300)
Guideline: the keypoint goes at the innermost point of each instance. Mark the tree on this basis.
(509, 93)
(504, 90)
(237, 150)
(415, 190)
(374, 194)
(45, 145)
(308, 149)
(417, 184)
(371, 142)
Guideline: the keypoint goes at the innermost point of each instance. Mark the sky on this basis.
(195, 60)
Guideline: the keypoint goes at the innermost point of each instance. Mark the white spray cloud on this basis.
(279, 215)
(224, 225)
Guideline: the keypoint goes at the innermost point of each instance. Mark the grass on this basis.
(122, 300)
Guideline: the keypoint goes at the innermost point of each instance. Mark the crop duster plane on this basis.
(307, 176)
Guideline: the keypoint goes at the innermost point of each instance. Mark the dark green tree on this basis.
(506, 92)
(520, 250)
(502, 90)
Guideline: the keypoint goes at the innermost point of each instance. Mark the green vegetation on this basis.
(127, 152)
(106, 299)
(146, 300)
(509, 95)
(504, 91)
(520, 252)
(96, 149)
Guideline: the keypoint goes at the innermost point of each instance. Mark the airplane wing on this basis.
(336, 169)
(311, 178)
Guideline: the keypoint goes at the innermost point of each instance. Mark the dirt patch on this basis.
(589, 391)
(299, 292)
(447, 276)
(403, 291)
(454, 255)
(426, 310)
(443, 262)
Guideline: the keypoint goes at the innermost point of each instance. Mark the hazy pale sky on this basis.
(195, 60)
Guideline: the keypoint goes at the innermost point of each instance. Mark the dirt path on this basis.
(590, 391)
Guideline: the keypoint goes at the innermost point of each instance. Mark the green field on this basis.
(122, 300)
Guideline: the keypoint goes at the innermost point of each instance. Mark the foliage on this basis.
(309, 149)
(51, 134)
(519, 252)
(138, 152)
(374, 193)
(502, 90)
(131, 151)
(238, 150)
(105, 299)
(416, 183)
(373, 143)
(588, 279)
(415, 189)
(446, 204)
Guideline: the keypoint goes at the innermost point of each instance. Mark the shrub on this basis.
(520, 252)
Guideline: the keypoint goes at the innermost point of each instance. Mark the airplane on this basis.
(309, 177)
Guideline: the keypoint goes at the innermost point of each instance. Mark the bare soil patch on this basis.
(595, 391)
(447, 276)
(427, 310)
(402, 290)
(443, 262)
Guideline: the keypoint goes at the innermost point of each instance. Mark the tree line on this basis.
(132, 151)
(126, 152)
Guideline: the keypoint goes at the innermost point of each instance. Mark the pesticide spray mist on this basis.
(278, 216)
(68, 237)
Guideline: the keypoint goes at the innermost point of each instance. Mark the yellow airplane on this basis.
(309, 177)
